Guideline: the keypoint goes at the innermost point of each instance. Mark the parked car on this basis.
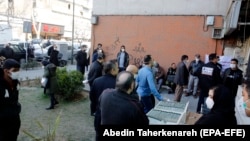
(39, 52)
(20, 52)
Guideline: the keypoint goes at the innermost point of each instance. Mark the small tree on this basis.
(70, 83)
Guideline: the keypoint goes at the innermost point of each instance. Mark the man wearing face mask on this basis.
(232, 77)
(221, 105)
(122, 59)
(10, 107)
(193, 81)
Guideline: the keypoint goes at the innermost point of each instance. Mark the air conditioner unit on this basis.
(232, 17)
(217, 33)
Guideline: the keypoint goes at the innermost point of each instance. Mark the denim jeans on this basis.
(193, 84)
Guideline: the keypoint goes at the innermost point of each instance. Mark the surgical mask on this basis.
(197, 60)
(209, 102)
(232, 66)
(123, 50)
(14, 75)
(245, 105)
(186, 61)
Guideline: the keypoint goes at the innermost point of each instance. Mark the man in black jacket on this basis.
(122, 59)
(118, 107)
(95, 70)
(10, 107)
(103, 82)
(232, 77)
(209, 76)
(81, 59)
(181, 77)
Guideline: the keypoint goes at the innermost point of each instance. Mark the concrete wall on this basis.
(160, 7)
(166, 38)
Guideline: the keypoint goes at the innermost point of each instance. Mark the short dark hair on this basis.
(124, 83)
(99, 44)
(10, 63)
(84, 46)
(183, 57)
(123, 46)
(235, 60)
(109, 65)
(147, 59)
(212, 56)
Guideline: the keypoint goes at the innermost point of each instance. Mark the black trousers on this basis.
(9, 128)
(52, 99)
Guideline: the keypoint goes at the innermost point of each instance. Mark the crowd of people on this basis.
(122, 93)
(140, 87)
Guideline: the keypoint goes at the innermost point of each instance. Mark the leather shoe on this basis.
(56, 103)
(49, 108)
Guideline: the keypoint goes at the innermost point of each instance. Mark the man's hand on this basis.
(85, 81)
(165, 99)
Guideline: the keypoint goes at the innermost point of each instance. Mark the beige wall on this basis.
(166, 38)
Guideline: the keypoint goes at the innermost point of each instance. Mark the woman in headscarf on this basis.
(221, 104)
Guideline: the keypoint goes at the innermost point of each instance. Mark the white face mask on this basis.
(197, 60)
(123, 50)
(209, 102)
(14, 75)
(232, 66)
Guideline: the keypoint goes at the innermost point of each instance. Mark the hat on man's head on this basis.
(10, 63)
(197, 55)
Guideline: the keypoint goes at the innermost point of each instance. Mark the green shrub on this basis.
(70, 83)
(50, 133)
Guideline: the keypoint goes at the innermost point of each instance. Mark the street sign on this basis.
(27, 27)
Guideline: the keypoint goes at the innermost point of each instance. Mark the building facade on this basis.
(49, 18)
(165, 29)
